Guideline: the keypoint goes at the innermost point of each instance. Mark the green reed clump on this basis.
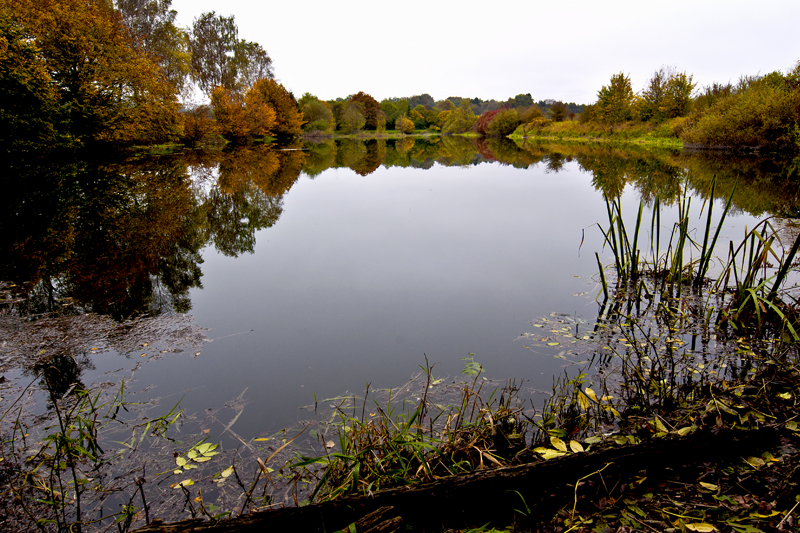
(402, 444)
(51, 480)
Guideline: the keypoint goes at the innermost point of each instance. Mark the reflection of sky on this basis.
(361, 276)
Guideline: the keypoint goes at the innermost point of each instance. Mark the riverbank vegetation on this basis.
(757, 113)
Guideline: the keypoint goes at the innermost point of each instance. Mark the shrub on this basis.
(504, 123)
(198, 124)
(404, 125)
(761, 113)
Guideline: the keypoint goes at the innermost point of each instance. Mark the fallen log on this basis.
(481, 496)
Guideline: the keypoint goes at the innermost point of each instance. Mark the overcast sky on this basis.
(565, 50)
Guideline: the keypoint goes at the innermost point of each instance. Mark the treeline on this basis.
(82, 72)
(758, 112)
(453, 115)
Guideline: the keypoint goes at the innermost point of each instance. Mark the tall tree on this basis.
(220, 58)
(153, 24)
(30, 115)
(614, 101)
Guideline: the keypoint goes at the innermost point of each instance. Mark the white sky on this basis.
(565, 50)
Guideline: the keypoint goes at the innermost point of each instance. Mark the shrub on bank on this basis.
(763, 113)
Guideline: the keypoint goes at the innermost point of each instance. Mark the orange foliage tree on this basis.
(241, 119)
(288, 118)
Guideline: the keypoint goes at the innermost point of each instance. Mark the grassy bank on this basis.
(661, 134)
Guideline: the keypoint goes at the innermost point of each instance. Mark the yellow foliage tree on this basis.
(112, 90)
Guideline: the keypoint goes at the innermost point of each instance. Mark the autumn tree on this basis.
(484, 120)
(668, 94)
(614, 101)
(220, 58)
(288, 118)
(198, 125)
(153, 24)
(30, 114)
(445, 105)
(558, 111)
(372, 109)
(109, 89)
(404, 125)
(241, 119)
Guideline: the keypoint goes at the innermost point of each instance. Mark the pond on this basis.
(309, 271)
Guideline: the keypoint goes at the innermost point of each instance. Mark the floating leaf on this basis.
(575, 446)
(261, 439)
(330, 444)
(590, 393)
(709, 486)
(180, 461)
(184, 483)
(785, 396)
(227, 472)
(558, 444)
(553, 343)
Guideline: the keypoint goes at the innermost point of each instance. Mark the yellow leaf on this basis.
(583, 401)
(709, 486)
(590, 393)
(575, 446)
(227, 472)
(180, 461)
(558, 444)
(701, 526)
(261, 439)
(755, 462)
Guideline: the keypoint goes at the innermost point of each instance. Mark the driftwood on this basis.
(480, 496)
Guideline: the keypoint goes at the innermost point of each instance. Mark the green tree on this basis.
(615, 100)
(353, 118)
(668, 94)
(461, 119)
(316, 113)
(504, 123)
(394, 108)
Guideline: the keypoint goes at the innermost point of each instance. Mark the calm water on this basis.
(316, 271)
